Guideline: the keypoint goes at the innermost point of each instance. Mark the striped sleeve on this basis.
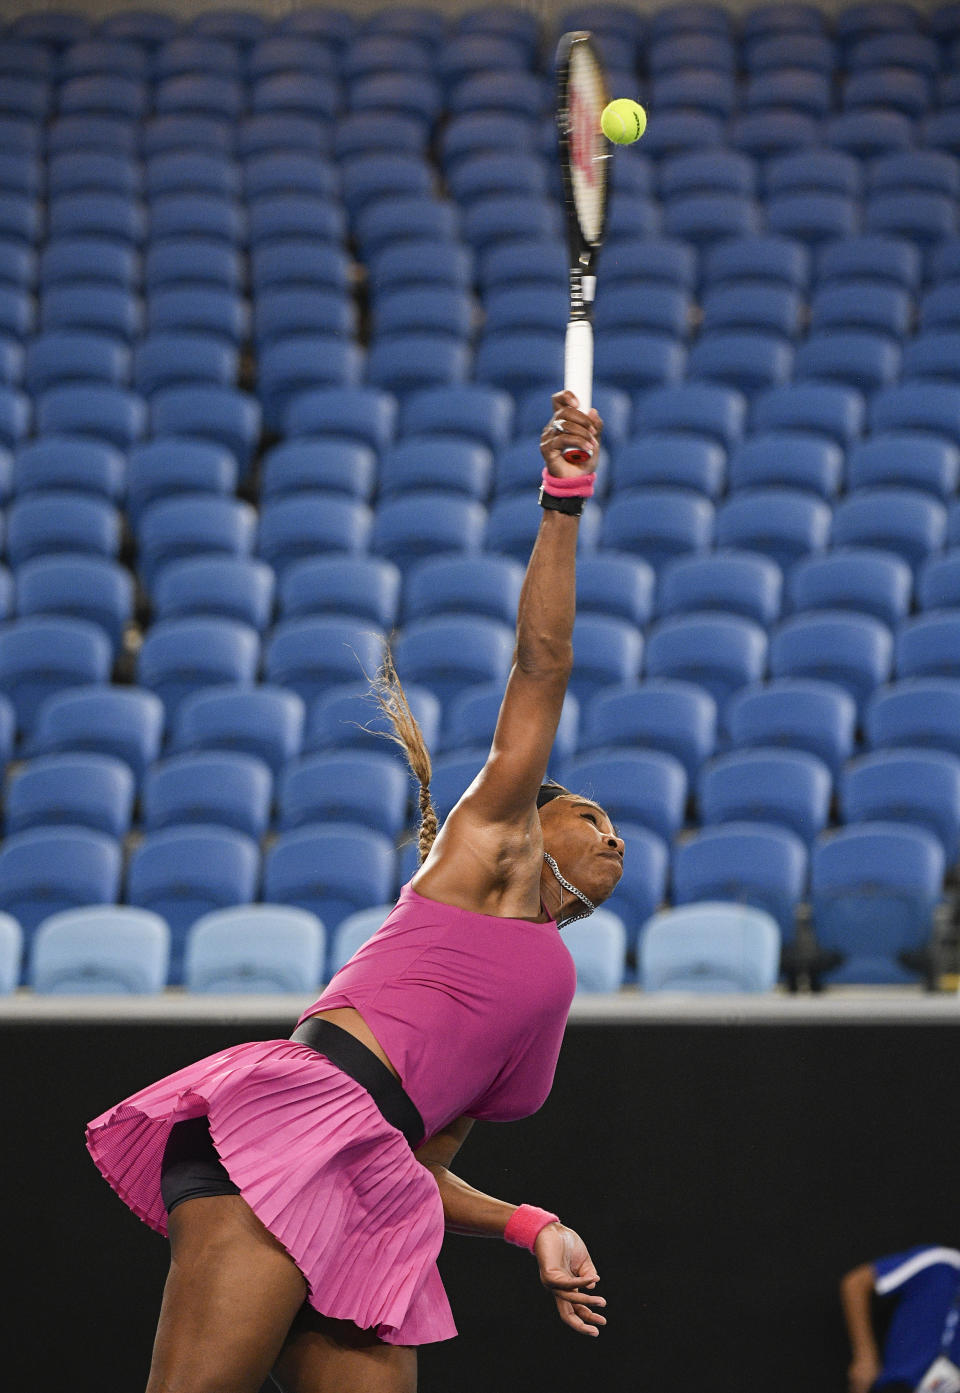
(894, 1271)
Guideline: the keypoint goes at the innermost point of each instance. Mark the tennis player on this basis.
(305, 1183)
(921, 1349)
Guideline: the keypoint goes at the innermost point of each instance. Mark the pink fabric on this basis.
(469, 1008)
(580, 486)
(525, 1224)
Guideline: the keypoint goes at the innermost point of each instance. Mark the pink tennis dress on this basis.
(469, 1008)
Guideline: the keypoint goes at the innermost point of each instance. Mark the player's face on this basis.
(582, 840)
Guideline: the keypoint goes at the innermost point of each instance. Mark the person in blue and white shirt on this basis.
(921, 1349)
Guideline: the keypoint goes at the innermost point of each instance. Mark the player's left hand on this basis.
(568, 1273)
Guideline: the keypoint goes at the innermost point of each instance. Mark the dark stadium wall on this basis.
(723, 1176)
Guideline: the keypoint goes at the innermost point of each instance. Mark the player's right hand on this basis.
(568, 1273)
(570, 427)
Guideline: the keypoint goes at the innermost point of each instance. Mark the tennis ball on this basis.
(623, 121)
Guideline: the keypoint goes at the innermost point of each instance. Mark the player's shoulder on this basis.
(895, 1269)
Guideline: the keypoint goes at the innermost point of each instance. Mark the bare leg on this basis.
(230, 1297)
(328, 1356)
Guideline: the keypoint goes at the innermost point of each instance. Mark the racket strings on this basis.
(587, 97)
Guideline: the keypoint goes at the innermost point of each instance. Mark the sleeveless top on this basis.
(469, 1008)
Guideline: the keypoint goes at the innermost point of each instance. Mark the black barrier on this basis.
(724, 1176)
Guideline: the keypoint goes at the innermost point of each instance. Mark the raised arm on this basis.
(856, 1290)
(495, 822)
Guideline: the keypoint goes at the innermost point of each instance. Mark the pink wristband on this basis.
(581, 486)
(525, 1223)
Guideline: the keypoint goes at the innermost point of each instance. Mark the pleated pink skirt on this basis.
(317, 1163)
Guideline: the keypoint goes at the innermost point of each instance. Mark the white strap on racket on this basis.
(578, 362)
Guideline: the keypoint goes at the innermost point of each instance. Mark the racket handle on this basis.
(578, 374)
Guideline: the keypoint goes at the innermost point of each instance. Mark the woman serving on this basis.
(305, 1183)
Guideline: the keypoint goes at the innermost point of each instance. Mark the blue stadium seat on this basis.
(15, 414)
(368, 787)
(293, 216)
(239, 28)
(102, 215)
(747, 360)
(199, 94)
(863, 579)
(222, 414)
(854, 651)
(311, 655)
(874, 887)
(385, 52)
(661, 260)
(653, 305)
(190, 171)
(255, 948)
(73, 464)
(689, 49)
(789, 89)
(824, 409)
(658, 524)
(861, 304)
(773, 131)
(282, 311)
(380, 175)
(918, 787)
(17, 312)
(647, 787)
(181, 358)
(409, 362)
(941, 131)
(348, 716)
(103, 94)
(419, 262)
(329, 871)
(752, 303)
(265, 721)
(606, 652)
(74, 355)
(18, 264)
(300, 362)
(776, 263)
(471, 719)
(788, 459)
(905, 460)
(812, 217)
(106, 950)
(440, 309)
(918, 712)
(123, 722)
(184, 872)
(598, 949)
(283, 130)
(71, 790)
(290, 261)
(359, 414)
(737, 582)
(447, 653)
(49, 869)
(938, 582)
(181, 656)
(706, 171)
(632, 360)
(702, 408)
(940, 308)
(932, 355)
(186, 308)
(789, 788)
(870, 257)
(95, 409)
(796, 714)
(931, 170)
(78, 587)
(676, 717)
(703, 218)
(209, 788)
(188, 53)
(361, 587)
(233, 587)
(926, 645)
(488, 173)
(524, 94)
(194, 260)
(920, 406)
(386, 221)
(473, 133)
(174, 131)
(782, 523)
(438, 463)
(487, 585)
(616, 584)
(894, 48)
(891, 88)
(192, 524)
(919, 216)
(757, 864)
(719, 652)
(870, 132)
(632, 215)
(360, 132)
(905, 521)
(160, 469)
(426, 522)
(710, 947)
(91, 307)
(865, 360)
(42, 656)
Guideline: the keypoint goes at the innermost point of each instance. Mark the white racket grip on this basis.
(578, 361)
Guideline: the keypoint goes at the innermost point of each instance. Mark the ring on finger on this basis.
(559, 426)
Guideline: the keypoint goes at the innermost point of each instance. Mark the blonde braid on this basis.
(392, 699)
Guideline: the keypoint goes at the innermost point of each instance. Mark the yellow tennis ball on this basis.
(623, 121)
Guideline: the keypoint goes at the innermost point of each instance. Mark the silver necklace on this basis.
(573, 890)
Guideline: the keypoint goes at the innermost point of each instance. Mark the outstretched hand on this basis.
(569, 426)
(567, 1271)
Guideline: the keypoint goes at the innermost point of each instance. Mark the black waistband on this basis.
(352, 1056)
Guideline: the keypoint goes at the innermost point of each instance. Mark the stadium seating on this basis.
(710, 947)
(255, 948)
(103, 950)
(598, 948)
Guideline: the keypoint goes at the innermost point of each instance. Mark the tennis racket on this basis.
(581, 96)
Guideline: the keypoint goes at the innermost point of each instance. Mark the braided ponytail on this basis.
(392, 699)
